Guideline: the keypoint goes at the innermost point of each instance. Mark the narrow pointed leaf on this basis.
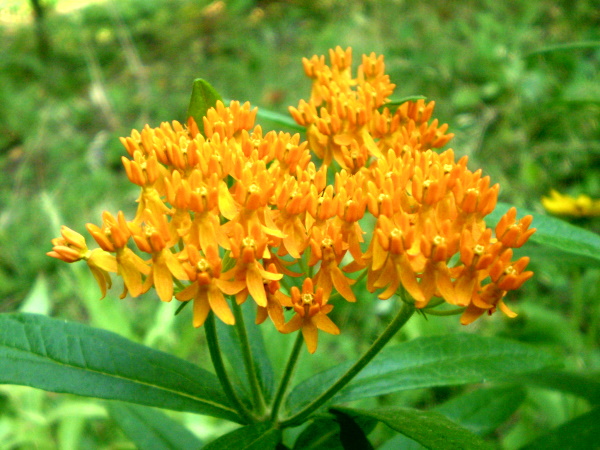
(324, 432)
(279, 119)
(352, 435)
(65, 357)
(394, 104)
(568, 47)
(579, 433)
(151, 429)
(555, 233)
(204, 97)
(230, 342)
(427, 362)
(430, 429)
(483, 410)
(574, 383)
(260, 436)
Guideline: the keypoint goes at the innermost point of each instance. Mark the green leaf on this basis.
(351, 434)
(570, 46)
(231, 347)
(260, 436)
(555, 233)
(573, 383)
(65, 357)
(483, 410)
(279, 119)
(394, 104)
(427, 362)
(151, 429)
(320, 433)
(577, 434)
(430, 429)
(324, 432)
(204, 97)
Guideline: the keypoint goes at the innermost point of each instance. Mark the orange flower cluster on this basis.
(234, 211)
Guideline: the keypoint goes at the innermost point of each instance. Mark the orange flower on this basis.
(154, 238)
(311, 314)
(276, 300)
(329, 249)
(248, 250)
(113, 237)
(207, 286)
(505, 276)
(391, 264)
(71, 247)
(514, 234)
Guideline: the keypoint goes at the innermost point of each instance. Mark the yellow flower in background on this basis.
(565, 205)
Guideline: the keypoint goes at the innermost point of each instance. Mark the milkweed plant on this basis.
(271, 229)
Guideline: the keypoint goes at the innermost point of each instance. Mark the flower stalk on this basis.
(258, 399)
(404, 314)
(216, 356)
(286, 377)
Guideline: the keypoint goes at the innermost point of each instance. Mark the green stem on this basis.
(287, 375)
(217, 360)
(445, 312)
(257, 395)
(362, 275)
(401, 318)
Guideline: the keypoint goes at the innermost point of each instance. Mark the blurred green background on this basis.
(517, 81)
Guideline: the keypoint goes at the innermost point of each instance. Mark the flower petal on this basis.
(254, 282)
(324, 323)
(201, 309)
(219, 305)
(311, 336)
(293, 325)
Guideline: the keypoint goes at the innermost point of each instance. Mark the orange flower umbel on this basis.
(239, 212)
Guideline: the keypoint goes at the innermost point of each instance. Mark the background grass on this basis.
(518, 82)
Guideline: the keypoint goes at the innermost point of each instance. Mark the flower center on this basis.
(439, 240)
(203, 266)
(149, 230)
(248, 242)
(327, 243)
(307, 298)
(479, 249)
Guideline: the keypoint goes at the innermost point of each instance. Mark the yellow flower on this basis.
(71, 247)
(565, 205)
(311, 314)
